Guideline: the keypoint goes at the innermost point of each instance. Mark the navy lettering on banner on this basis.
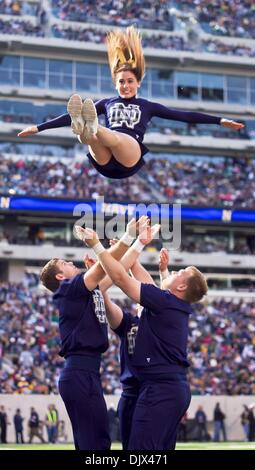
(120, 114)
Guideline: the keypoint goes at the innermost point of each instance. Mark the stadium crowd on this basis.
(17, 7)
(195, 181)
(70, 178)
(176, 42)
(221, 182)
(20, 27)
(224, 18)
(221, 345)
(146, 13)
(227, 18)
(233, 18)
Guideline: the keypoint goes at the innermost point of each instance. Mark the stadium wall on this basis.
(231, 406)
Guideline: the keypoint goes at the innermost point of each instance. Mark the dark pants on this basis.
(159, 409)
(3, 434)
(126, 408)
(83, 397)
(35, 432)
(202, 432)
(182, 432)
(19, 437)
(219, 426)
(52, 433)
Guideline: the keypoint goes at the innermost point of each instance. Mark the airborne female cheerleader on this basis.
(116, 150)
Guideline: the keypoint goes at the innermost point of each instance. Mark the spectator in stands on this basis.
(219, 425)
(26, 358)
(18, 425)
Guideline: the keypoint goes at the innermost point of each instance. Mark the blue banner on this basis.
(68, 206)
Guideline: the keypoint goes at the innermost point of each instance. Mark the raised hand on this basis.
(148, 233)
(113, 241)
(90, 237)
(163, 259)
(88, 262)
(79, 233)
(87, 235)
(141, 224)
(133, 228)
(232, 124)
(28, 131)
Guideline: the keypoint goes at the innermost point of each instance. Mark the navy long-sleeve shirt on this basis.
(132, 115)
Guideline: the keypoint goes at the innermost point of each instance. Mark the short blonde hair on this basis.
(125, 52)
(196, 286)
(48, 275)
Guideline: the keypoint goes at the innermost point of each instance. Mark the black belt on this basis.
(89, 363)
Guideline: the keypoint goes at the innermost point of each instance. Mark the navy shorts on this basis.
(115, 170)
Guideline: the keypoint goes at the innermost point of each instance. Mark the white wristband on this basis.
(164, 274)
(138, 246)
(223, 120)
(127, 239)
(98, 248)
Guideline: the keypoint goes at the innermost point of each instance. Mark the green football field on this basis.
(117, 446)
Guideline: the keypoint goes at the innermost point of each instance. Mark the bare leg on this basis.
(124, 148)
(100, 153)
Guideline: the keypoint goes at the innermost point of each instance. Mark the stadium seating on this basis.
(189, 181)
(221, 345)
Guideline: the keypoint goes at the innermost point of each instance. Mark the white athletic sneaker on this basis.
(89, 115)
(74, 107)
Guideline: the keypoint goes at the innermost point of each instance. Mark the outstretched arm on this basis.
(96, 273)
(118, 274)
(130, 258)
(112, 267)
(61, 121)
(113, 312)
(163, 264)
(161, 111)
(141, 274)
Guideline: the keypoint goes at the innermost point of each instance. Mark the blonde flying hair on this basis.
(125, 52)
